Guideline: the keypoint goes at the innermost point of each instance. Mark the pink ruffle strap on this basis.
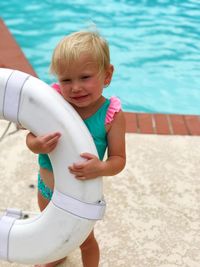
(114, 107)
(56, 87)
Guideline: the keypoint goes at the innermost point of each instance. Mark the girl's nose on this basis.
(76, 87)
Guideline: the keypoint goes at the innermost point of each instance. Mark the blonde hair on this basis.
(72, 46)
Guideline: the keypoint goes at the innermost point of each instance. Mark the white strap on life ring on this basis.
(12, 97)
(91, 211)
(75, 205)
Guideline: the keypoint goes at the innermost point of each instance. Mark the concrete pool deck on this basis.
(153, 210)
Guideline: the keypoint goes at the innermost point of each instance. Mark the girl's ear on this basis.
(108, 75)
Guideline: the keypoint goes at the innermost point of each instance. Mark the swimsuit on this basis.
(96, 126)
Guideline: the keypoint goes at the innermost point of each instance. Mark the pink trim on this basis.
(114, 107)
(56, 86)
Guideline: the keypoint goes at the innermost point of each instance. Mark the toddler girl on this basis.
(81, 63)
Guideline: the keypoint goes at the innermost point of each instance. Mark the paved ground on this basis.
(153, 213)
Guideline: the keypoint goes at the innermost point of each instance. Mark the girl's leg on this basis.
(90, 251)
(43, 202)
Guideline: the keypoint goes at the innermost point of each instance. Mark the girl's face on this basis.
(82, 85)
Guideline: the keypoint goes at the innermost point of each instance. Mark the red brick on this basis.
(11, 55)
(193, 124)
(131, 122)
(178, 124)
(161, 124)
(145, 123)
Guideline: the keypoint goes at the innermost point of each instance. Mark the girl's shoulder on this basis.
(114, 107)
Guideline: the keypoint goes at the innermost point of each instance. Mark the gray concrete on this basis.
(153, 210)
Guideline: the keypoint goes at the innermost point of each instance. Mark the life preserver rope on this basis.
(75, 205)
(5, 131)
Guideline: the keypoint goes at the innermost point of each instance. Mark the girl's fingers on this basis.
(52, 146)
(87, 156)
(51, 137)
(53, 141)
(77, 166)
(76, 173)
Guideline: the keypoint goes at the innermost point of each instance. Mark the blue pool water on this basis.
(155, 45)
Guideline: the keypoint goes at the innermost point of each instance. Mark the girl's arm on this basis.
(116, 161)
(42, 144)
(116, 146)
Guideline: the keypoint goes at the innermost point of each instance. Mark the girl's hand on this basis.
(92, 168)
(42, 144)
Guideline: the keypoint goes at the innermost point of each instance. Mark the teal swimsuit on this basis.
(96, 126)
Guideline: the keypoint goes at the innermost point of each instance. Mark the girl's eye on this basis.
(85, 77)
(66, 81)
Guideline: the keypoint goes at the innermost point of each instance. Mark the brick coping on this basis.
(165, 124)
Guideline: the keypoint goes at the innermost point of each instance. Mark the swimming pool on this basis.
(155, 45)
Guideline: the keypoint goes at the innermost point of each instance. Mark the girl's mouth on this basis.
(79, 98)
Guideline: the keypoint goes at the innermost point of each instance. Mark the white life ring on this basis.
(75, 205)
